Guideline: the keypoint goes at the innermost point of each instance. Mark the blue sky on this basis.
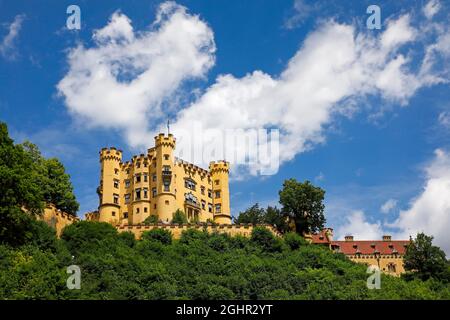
(375, 142)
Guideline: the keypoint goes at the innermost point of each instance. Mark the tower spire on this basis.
(168, 126)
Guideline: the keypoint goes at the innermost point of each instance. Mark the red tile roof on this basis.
(371, 247)
(320, 238)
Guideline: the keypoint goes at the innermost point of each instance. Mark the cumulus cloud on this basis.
(388, 206)
(315, 86)
(8, 43)
(301, 11)
(357, 225)
(430, 211)
(124, 79)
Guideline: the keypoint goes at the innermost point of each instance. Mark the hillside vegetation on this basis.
(197, 266)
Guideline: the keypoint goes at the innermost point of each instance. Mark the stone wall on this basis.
(57, 219)
(176, 230)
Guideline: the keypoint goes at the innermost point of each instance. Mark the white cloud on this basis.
(431, 8)
(127, 76)
(314, 87)
(388, 206)
(430, 211)
(123, 81)
(357, 226)
(7, 45)
(302, 10)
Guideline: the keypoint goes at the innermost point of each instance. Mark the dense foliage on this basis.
(256, 215)
(303, 204)
(424, 260)
(197, 266)
(27, 182)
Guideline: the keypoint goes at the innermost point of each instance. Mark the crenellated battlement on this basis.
(219, 166)
(190, 167)
(176, 229)
(166, 141)
(111, 153)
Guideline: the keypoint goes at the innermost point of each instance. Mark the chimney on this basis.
(348, 238)
(386, 237)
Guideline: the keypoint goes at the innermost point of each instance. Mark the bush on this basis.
(152, 219)
(179, 217)
(219, 242)
(265, 239)
(294, 241)
(127, 238)
(161, 235)
(86, 233)
(191, 235)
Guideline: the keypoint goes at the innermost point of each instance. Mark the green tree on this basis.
(425, 259)
(151, 219)
(275, 217)
(303, 203)
(51, 176)
(19, 190)
(179, 217)
(253, 215)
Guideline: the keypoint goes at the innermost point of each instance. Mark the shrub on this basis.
(294, 241)
(127, 238)
(179, 217)
(85, 233)
(161, 235)
(152, 219)
(218, 242)
(265, 239)
(191, 235)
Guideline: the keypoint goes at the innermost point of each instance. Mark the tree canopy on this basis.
(302, 202)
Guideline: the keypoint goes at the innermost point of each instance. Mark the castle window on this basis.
(166, 157)
(125, 215)
(127, 183)
(145, 164)
(145, 209)
(154, 192)
(154, 206)
(167, 202)
(138, 164)
(145, 177)
(116, 171)
(190, 184)
(154, 177)
(127, 171)
(116, 183)
(127, 198)
(218, 208)
(145, 193)
(209, 207)
(166, 186)
(203, 204)
(113, 213)
(116, 198)
(138, 178)
(391, 267)
(217, 194)
(216, 182)
(138, 194)
(202, 188)
(137, 210)
(209, 193)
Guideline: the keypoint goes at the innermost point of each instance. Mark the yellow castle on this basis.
(158, 184)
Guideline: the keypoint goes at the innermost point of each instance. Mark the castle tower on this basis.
(221, 195)
(165, 187)
(109, 189)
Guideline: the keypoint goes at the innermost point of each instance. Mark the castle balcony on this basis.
(192, 204)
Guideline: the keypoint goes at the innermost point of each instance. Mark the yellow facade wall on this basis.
(56, 218)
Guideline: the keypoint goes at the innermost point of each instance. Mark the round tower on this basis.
(221, 194)
(109, 189)
(165, 186)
